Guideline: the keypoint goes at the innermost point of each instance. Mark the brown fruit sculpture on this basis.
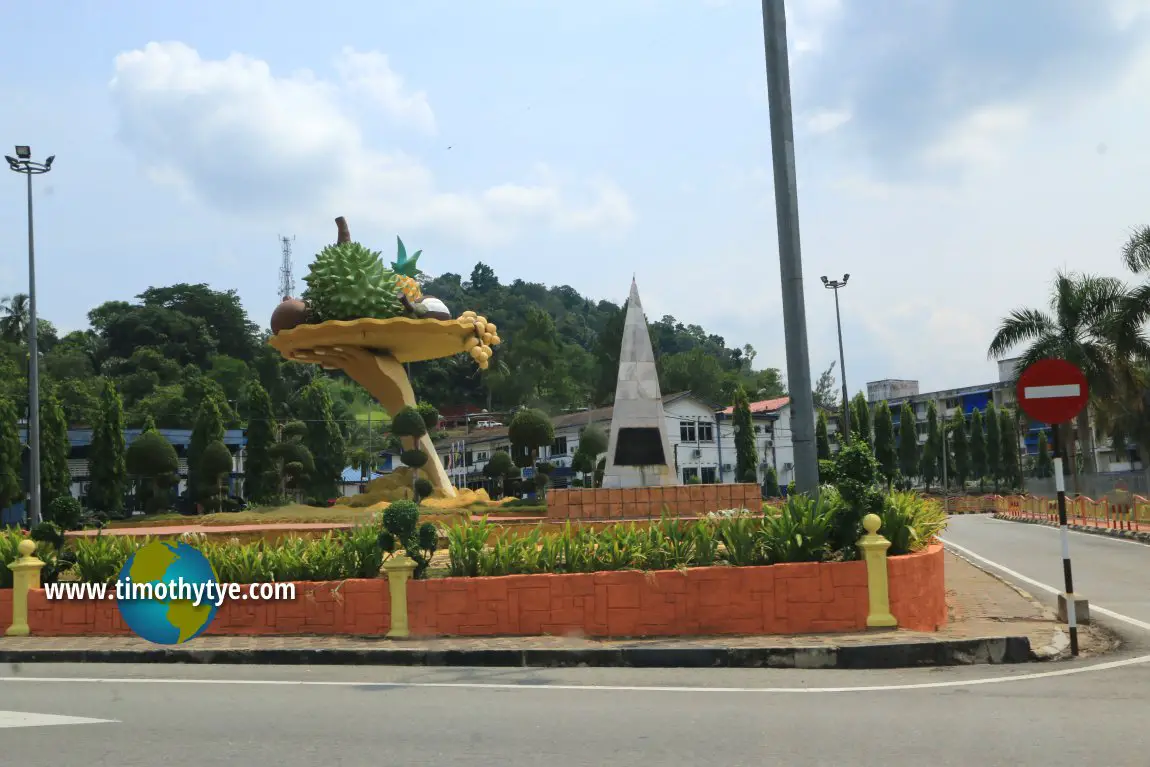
(290, 313)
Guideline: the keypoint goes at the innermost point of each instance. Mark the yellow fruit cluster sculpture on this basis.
(486, 336)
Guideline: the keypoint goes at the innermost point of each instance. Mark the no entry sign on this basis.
(1052, 391)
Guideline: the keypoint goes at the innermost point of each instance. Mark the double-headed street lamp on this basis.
(835, 285)
(23, 163)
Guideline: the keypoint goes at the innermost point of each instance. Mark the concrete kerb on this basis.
(957, 652)
(1126, 535)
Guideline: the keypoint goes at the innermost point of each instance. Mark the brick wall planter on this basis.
(5, 608)
(777, 599)
(649, 502)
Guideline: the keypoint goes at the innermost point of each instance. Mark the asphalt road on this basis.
(1076, 719)
(1111, 573)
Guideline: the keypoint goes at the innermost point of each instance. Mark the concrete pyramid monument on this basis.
(638, 451)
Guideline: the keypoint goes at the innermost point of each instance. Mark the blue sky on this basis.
(951, 155)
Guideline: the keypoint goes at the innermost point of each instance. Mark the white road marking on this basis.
(1049, 589)
(22, 719)
(1052, 392)
(1094, 536)
(593, 687)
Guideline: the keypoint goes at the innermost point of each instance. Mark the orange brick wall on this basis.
(338, 607)
(649, 502)
(918, 589)
(5, 609)
(778, 599)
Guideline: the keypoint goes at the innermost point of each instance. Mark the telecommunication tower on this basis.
(287, 281)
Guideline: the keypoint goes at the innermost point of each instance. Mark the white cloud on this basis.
(371, 75)
(236, 137)
(980, 138)
(827, 120)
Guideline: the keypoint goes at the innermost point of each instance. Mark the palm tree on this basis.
(15, 318)
(1080, 328)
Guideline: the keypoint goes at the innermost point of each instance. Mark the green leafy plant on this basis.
(401, 529)
(802, 530)
(910, 522)
(65, 511)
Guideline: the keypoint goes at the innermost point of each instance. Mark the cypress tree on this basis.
(55, 448)
(1044, 463)
(324, 440)
(107, 469)
(746, 454)
(11, 486)
(860, 419)
(261, 479)
(993, 446)
(822, 437)
(884, 447)
(978, 449)
(1008, 436)
(908, 441)
(961, 450)
(932, 450)
(208, 428)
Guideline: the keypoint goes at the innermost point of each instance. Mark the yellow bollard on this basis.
(874, 548)
(25, 577)
(398, 570)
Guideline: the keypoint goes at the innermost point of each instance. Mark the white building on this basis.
(890, 388)
(702, 442)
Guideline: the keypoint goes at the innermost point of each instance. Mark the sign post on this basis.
(1055, 391)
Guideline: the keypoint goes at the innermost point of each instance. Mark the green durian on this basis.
(348, 282)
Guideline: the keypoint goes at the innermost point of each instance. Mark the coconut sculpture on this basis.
(368, 319)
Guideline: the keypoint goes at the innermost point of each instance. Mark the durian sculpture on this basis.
(348, 281)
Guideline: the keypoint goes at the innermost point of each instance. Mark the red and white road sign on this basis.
(1052, 391)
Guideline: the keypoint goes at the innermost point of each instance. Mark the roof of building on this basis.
(598, 415)
(763, 406)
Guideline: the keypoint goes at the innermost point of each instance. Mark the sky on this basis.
(951, 155)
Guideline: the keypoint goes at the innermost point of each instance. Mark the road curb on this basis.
(958, 652)
(1125, 535)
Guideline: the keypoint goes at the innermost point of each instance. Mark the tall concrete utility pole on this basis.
(790, 254)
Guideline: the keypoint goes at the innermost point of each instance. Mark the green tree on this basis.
(978, 452)
(822, 438)
(11, 488)
(960, 449)
(261, 478)
(746, 453)
(530, 430)
(152, 460)
(1011, 461)
(324, 441)
(215, 466)
(932, 450)
(1043, 463)
(499, 466)
(993, 446)
(771, 482)
(107, 470)
(908, 441)
(208, 428)
(860, 418)
(294, 461)
(884, 446)
(55, 448)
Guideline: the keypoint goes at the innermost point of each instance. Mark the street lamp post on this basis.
(835, 285)
(23, 163)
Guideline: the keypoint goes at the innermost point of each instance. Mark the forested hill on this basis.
(172, 345)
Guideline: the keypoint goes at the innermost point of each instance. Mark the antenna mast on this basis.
(287, 280)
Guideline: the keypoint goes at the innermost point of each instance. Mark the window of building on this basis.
(706, 431)
(686, 431)
(921, 428)
(758, 429)
(481, 455)
(708, 475)
(690, 475)
(469, 458)
(952, 402)
(559, 447)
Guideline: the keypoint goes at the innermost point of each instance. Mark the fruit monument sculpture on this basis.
(368, 319)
